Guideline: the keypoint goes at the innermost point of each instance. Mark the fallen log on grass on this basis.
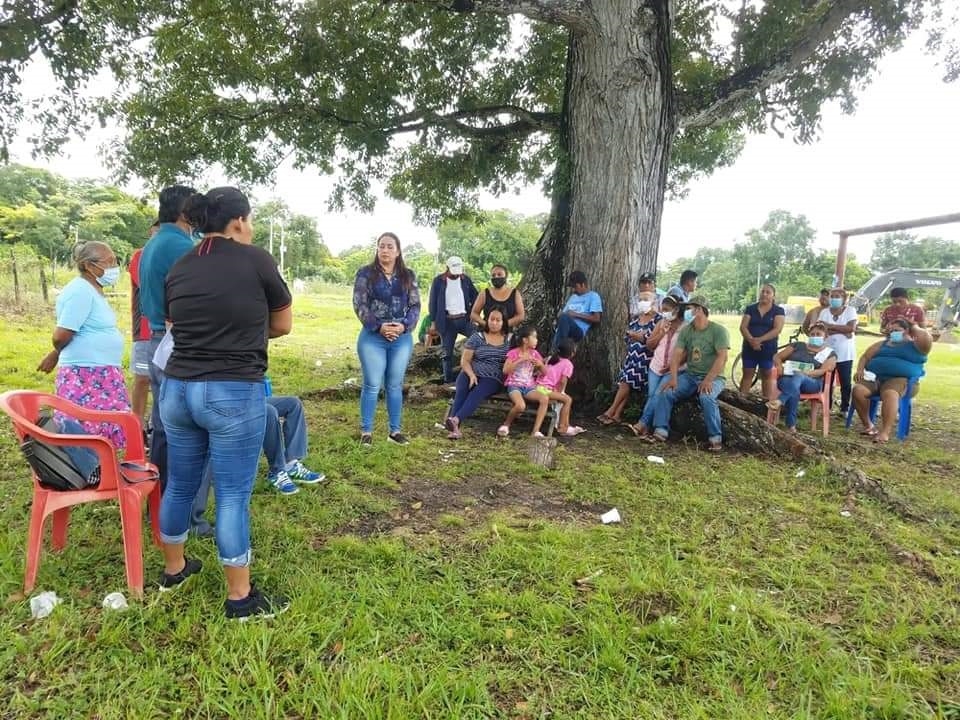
(745, 427)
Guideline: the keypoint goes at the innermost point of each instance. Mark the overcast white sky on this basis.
(897, 158)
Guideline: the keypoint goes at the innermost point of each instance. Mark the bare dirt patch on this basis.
(428, 506)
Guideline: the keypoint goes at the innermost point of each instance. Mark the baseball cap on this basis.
(455, 265)
(700, 300)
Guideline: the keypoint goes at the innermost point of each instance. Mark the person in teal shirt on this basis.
(87, 344)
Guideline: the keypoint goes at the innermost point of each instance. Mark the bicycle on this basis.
(735, 372)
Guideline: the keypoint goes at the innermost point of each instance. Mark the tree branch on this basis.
(524, 121)
(569, 13)
(742, 86)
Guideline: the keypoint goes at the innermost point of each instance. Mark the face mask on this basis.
(110, 276)
(498, 282)
(669, 315)
(688, 315)
(815, 341)
(896, 336)
(836, 303)
(644, 305)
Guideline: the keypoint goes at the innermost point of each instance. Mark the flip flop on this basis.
(869, 432)
(715, 447)
(633, 427)
(880, 440)
(605, 419)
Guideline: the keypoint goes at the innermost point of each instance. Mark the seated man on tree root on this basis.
(703, 345)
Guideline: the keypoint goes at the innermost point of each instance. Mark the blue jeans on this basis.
(653, 385)
(223, 419)
(448, 338)
(468, 399)
(158, 438)
(287, 441)
(384, 363)
(687, 387)
(158, 445)
(791, 387)
(566, 328)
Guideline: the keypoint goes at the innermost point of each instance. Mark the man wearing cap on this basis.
(703, 345)
(583, 309)
(452, 294)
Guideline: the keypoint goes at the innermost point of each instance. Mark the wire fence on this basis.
(28, 282)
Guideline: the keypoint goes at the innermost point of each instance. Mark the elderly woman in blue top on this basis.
(387, 302)
(894, 362)
(87, 344)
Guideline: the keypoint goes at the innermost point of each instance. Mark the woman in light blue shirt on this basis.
(87, 344)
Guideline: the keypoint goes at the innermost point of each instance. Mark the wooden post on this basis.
(16, 278)
(541, 451)
(43, 285)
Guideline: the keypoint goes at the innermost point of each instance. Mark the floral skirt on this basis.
(97, 388)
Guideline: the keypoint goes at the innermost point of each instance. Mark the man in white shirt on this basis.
(841, 322)
(452, 294)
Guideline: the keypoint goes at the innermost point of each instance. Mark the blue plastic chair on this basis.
(904, 412)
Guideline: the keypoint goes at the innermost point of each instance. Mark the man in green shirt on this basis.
(702, 344)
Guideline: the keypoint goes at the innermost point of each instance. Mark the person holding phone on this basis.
(387, 302)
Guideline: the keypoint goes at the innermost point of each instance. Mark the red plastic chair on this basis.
(820, 403)
(23, 407)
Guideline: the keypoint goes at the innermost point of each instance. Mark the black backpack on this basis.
(58, 467)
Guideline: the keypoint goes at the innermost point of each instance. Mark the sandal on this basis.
(715, 447)
(870, 431)
(880, 440)
(503, 431)
(656, 437)
(605, 419)
(573, 430)
(638, 429)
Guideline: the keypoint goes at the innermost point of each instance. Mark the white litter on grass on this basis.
(350, 382)
(733, 608)
(439, 426)
(800, 473)
(656, 459)
(318, 363)
(610, 516)
(845, 513)
(43, 604)
(115, 601)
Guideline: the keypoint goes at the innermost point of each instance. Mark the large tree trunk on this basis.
(610, 178)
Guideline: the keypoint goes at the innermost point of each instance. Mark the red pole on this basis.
(841, 261)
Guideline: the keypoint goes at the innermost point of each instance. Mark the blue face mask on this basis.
(836, 303)
(896, 336)
(109, 277)
(688, 315)
(815, 341)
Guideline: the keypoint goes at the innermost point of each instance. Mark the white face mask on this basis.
(644, 305)
(669, 315)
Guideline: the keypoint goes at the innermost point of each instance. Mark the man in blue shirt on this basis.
(582, 309)
(686, 287)
(172, 241)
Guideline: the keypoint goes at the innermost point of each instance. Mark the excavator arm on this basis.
(866, 298)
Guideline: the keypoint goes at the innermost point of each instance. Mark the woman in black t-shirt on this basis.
(499, 295)
(224, 298)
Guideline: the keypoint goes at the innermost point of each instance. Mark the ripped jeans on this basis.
(225, 419)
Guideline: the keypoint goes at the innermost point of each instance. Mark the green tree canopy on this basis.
(492, 237)
(906, 250)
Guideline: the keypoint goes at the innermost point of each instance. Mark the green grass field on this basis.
(438, 580)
